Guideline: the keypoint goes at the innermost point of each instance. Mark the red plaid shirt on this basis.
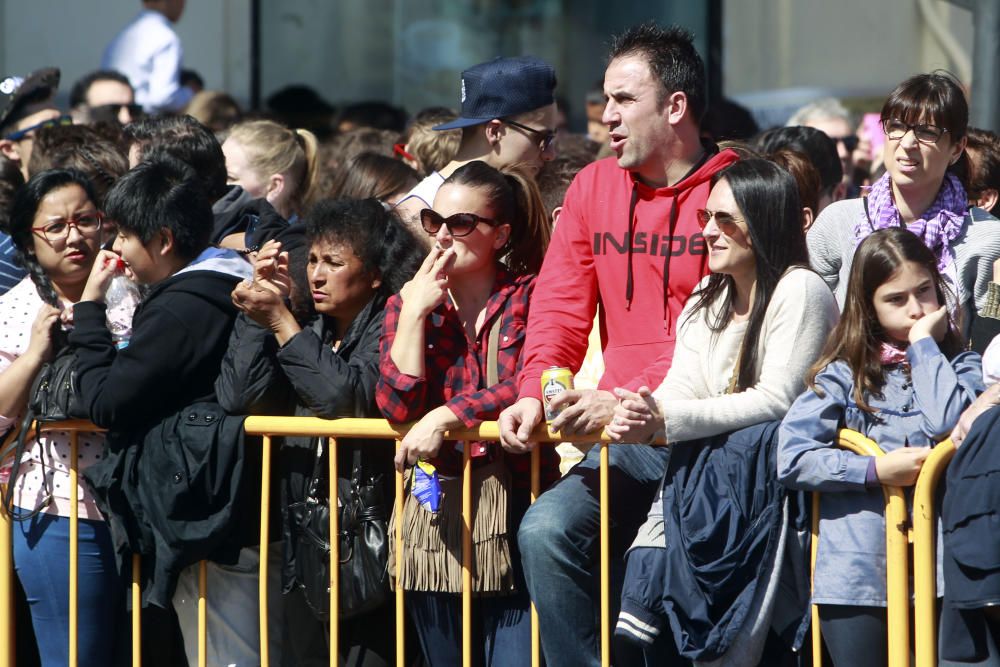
(455, 374)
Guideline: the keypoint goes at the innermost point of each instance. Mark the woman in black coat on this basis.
(306, 344)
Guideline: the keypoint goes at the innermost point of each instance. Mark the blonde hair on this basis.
(433, 149)
(275, 149)
(214, 109)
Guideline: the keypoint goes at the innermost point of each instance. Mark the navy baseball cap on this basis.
(17, 94)
(503, 87)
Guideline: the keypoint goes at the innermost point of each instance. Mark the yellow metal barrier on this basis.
(331, 429)
(897, 569)
(924, 553)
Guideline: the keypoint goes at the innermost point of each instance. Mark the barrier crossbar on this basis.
(897, 568)
(332, 429)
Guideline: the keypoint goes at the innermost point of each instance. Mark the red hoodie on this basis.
(588, 260)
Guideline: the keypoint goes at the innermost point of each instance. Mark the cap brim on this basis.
(462, 122)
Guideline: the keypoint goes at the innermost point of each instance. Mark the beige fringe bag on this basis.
(432, 542)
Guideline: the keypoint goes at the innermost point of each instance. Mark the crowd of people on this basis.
(740, 298)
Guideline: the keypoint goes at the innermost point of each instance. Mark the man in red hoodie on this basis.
(627, 238)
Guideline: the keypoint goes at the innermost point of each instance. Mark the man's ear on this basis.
(166, 242)
(677, 104)
(494, 131)
(9, 149)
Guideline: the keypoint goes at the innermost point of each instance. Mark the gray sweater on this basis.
(831, 251)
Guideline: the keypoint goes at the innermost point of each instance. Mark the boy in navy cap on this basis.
(26, 106)
(508, 119)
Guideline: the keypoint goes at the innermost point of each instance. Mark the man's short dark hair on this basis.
(187, 140)
(671, 57)
(163, 193)
(984, 162)
(78, 94)
(814, 144)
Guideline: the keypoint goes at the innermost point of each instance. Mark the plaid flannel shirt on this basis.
(455, 374)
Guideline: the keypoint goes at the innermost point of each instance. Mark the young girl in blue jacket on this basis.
(893, 369)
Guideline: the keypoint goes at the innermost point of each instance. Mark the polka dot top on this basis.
(49, 456)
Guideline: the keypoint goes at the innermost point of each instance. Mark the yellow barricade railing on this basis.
(897, 569)
(267, 427)
(924, 553)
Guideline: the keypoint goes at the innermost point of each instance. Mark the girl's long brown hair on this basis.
(858, 336)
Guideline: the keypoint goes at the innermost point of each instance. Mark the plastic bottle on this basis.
(122, 298)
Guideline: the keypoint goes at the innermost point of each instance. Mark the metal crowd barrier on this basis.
(924, 553)
(332, 429)
(897, 568)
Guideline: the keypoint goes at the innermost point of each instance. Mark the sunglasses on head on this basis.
(726, 222)
(52, 122)
(458, 224)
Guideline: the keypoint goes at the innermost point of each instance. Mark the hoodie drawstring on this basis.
(666, 261)
(631, 233)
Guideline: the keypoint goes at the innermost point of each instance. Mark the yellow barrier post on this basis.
(605, 562)
(896, 555)
(536, 485)
(924, 552)
(400, 610)
(265, 503)
(466, 556)
(817, 637)
(334, 567)
(202, 613)
(74, 551)
(136, 611)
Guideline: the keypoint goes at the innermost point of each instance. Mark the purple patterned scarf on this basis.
(940, 225)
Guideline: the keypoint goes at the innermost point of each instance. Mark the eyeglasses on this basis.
(545, 137)
(726, 222)
(850, 141)
(52, 122)
(109, 112)
(57, 229)
(896, 129)
(459, 224)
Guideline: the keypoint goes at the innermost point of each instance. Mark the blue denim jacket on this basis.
(918, 407)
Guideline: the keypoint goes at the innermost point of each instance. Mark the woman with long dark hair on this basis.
(57, 231)
(748, 333)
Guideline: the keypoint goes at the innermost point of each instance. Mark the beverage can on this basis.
(555, 380)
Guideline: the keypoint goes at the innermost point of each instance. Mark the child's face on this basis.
(903, 299)
(143, 261)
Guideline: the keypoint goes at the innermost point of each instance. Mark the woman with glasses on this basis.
(923, 189)
(57, 232)
(450, 355)
(747, 335)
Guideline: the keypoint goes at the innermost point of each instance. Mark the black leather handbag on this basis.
(363, 543)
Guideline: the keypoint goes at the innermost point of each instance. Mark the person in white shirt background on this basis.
(149, 53)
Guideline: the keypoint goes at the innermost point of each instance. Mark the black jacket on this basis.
(152, 496)
(237, 211)
(970, 562)
(308, 378)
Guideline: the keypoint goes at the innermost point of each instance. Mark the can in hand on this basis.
(555, 381)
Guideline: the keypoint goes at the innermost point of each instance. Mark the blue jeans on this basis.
(41, 560)
(559, 540)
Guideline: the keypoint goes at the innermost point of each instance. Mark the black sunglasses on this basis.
(850, 141)
(545, 137)
(459, 224)
(109, 112)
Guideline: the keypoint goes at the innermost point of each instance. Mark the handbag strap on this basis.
(493, 352)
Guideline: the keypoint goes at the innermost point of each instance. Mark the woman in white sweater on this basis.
(747, 336)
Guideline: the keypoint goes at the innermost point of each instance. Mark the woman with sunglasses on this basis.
(450, 355)
(925, 121)
(747, 336)
(57, 230)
